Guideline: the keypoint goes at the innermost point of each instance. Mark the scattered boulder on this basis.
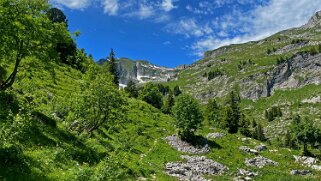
(316, 167)
(308, 161)
(261, 147)
(186, 147)
(194, 168)
(300, 172)
(243, 175)
(249, 150)
(215, 135)
(260, 162)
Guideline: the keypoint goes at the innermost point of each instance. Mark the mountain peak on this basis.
(314, 21)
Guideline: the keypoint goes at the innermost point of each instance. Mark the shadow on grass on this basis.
(15, 166)
(200, 141)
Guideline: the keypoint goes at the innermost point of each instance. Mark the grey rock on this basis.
(194, 168)
(300, 172)
(308, 161)
(249, 150)
(261, 147)
(215, 135)
(260, 162)
(186, 147)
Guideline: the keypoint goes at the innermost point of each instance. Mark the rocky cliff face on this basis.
(288, 60)
(315, 21)
(143, 71)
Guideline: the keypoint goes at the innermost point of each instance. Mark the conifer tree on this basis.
(113, 67)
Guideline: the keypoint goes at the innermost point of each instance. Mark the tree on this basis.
(113, 67)
(151, 95)
(25, 30)
(57, 16)
(244, 126)
(229, 122)
(100, 102)
(304, 132)
(188, 115)
(168, 103)
(259, 133)
(131, 89)
(177, 91)
(232, 112)
(212, 113)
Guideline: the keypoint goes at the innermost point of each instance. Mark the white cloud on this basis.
(167, 43)
(111, 7)
(72, 4)
(262, 21)
(167, 5)
(144, 11)
(141, 9)
(189, 28)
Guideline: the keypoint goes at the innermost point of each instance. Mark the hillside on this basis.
(64, 117)
(44, 147)
(255, 68)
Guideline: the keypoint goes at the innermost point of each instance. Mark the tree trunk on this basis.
(10, 80)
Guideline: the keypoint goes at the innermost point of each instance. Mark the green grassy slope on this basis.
(40, 147)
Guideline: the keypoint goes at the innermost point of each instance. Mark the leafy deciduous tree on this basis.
(100, 101)
(188, 115)
(25, 30)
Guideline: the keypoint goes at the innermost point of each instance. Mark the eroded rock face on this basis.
(314, 21)
(194, 168)
(260, 162)
(186, 147)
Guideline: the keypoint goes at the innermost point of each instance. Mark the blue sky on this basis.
(174, 32)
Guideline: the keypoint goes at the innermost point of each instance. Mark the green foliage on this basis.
(26, 31)
(151, 95)
(188, 115)
(232, 113)
(213, 74)
(313, 51)
(259, 133)
(177, 91)
(213, 113)
(168, 103)
(112, 67)
(244, 126)
(163, 89)
(131, 89)
(57, 16)
(100, 101)
(274, 112)
(305, 132)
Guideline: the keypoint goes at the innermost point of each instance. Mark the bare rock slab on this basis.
(215, 135)
(186, 147)
(248, 150)
(300, 172)
(260, 162)
(194, 168)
